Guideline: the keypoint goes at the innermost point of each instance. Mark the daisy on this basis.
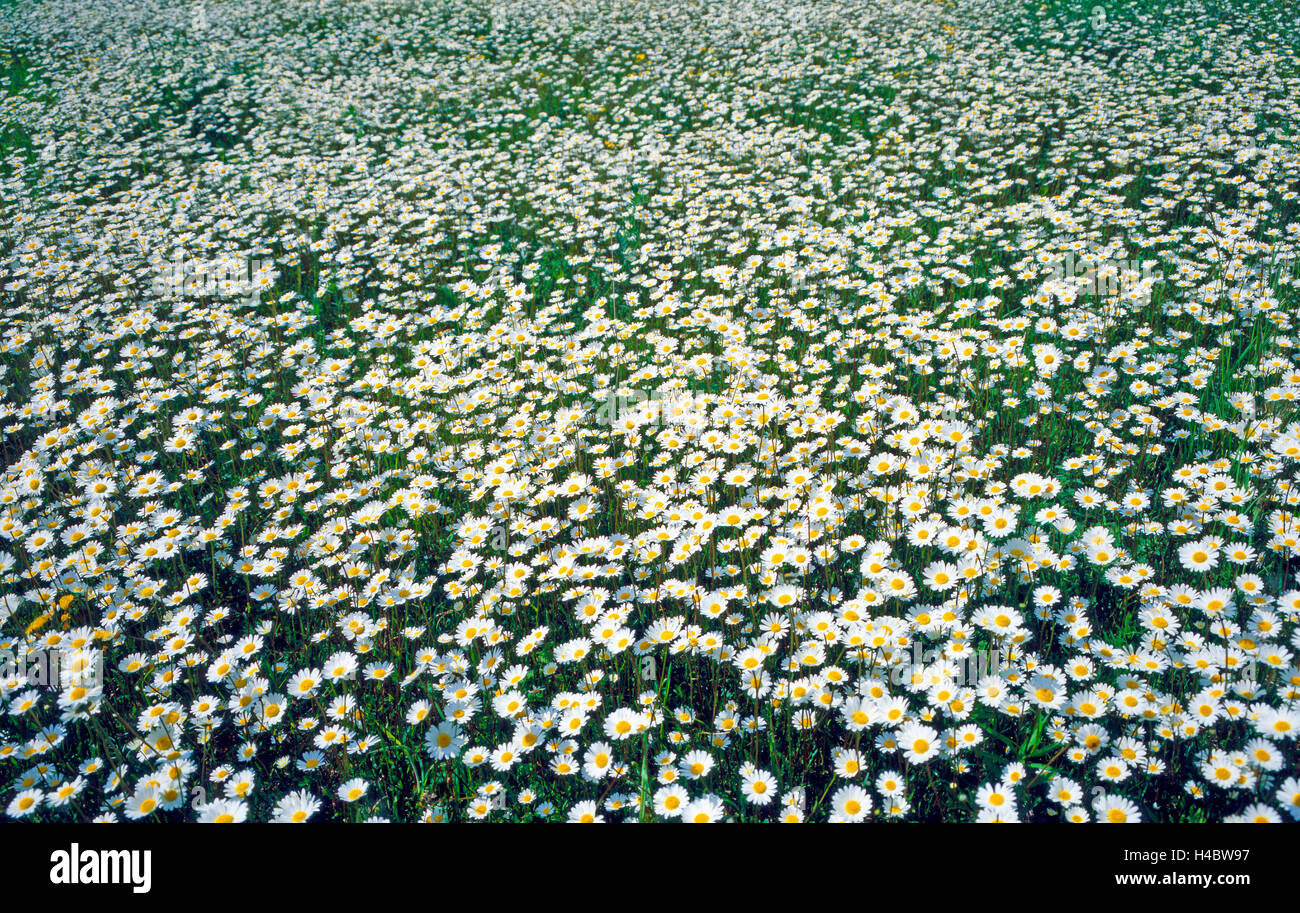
(1198, 556)
(758, 786)
(918, 742)
(705, 810)
(852, 803)
(24, 803)
(1115, 809)
(586, 812)
(223, 811)
(353, 789)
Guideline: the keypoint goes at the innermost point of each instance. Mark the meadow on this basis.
(649, 410)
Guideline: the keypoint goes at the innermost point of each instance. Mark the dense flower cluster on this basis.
(648, 410)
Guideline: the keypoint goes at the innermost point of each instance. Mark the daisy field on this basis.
(649, 410)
